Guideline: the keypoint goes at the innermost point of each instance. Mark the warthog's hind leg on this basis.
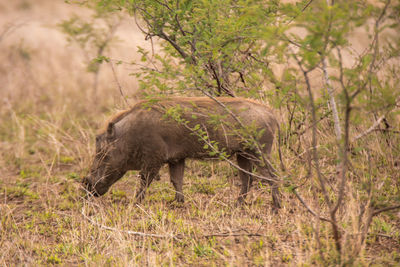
(176, 170)
(267, 171)
(146, 177)
(246, 178)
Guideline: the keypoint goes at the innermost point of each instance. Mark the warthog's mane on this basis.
(114, 118)
(170, 102)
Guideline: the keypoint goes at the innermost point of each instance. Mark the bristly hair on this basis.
(168, 102)
(114, 118)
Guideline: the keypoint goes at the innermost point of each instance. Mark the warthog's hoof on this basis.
(179, 198)
(240, 202)
(139, 197)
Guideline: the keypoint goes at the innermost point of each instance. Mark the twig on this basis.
(383, 235)
(321, 180)
(9, 28)
(370, 129)
(324, 116)
(302, 10)
(125, 231)
(308, 208)
(376, 212)
(174, 44)
(338, 130)
(232, 234)
(314, 129)
(387, 131)
(118, 84)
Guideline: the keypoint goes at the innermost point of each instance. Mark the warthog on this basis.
(152, 134)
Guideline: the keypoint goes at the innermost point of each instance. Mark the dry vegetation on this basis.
(47, 125)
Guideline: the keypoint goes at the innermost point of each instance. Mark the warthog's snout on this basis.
(89, 188)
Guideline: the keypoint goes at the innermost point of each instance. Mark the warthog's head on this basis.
(107, 166)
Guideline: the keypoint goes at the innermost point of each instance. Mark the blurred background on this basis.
(40, 68)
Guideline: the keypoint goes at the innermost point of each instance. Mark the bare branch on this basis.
(232, 234)
(375, 47)
(370, 129)
(124, 231)
(118, 84)
(376, 212)
(338, 130)
(164, 4)
(174, 44)
(302, 10)
(309, 209)
(9, 28)
(314, 130)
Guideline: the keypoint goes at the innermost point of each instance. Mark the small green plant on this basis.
(93, 40)
(67, 159)
(118, 195)
(203, 250)
(53, 259)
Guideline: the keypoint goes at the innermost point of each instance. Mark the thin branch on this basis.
(118, 84)
(338, 130)
(321, 180)
(214, 73)
(138, 25)
(174, 44)
(376, 212)
(387, 131)
(309, 209)
(324, 116)
(165, 5)
(9, 28)
(192, 44)
(314, 130)
(283, 167)
(302, 10)
(232, 234)
(375, 45)
(344, 160)
(370, 129)
(124, 231)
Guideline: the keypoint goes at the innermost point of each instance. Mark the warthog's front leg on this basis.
(176, 170)
(146, 177)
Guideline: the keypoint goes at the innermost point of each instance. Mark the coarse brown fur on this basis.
(168, 131)
(122, 113)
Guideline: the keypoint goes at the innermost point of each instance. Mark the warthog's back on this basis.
(181, 127)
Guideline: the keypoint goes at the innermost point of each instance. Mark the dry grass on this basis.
(47, 125)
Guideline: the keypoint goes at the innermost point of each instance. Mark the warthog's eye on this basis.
(102, 150)
(99, 144)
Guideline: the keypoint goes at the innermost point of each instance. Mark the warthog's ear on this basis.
(111, 130)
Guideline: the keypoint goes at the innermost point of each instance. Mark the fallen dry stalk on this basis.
(124, 231)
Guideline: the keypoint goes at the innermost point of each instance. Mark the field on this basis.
(48, 121)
